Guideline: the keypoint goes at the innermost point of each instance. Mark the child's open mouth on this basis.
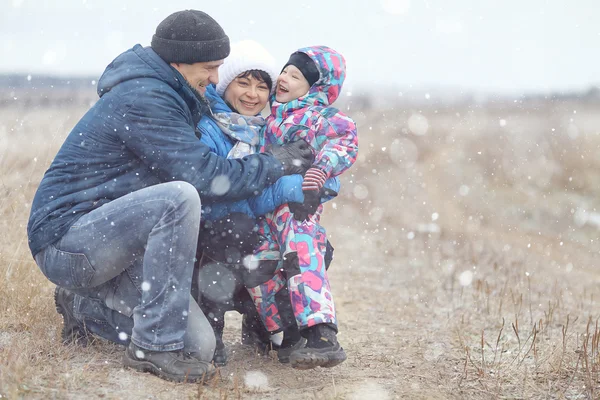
(281, 89)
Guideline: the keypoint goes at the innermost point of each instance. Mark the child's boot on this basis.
(322, 349)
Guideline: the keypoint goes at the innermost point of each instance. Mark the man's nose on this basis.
(214, 77)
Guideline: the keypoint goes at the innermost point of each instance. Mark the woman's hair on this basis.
(259, 75)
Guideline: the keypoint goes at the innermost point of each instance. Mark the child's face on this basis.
(291, 84)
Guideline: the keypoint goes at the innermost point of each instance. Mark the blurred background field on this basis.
(466, 236)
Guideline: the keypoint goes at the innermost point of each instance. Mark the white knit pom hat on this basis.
(245, 56)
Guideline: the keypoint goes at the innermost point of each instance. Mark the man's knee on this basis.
(184, 192)
(184, 198)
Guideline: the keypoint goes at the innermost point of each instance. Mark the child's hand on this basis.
(314, 179)
(302, 211)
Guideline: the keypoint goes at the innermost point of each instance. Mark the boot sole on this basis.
(283, 354)
(310, 360)
(145, 366)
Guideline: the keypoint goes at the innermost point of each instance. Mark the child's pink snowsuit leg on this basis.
(310, 292)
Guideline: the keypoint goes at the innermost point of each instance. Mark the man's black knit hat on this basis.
(189, 37)
(306, 65)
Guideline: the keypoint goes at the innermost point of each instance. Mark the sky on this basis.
(504, 46)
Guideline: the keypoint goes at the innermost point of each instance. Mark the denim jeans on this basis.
(130, 263)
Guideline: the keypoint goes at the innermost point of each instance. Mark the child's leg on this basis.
(263, 297)
(310, 292)
(278, 232)
(263, 294)
(305, 246)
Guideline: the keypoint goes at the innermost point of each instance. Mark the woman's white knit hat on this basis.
(245, 56)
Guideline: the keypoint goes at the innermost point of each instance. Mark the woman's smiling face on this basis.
(291, 84)
(247, 94)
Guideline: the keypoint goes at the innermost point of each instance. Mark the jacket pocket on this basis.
(68, 270)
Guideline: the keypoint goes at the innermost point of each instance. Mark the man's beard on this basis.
(204, 105)
(197, 93)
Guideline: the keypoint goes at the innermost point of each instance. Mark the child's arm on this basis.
(287, 189)
(338, 141)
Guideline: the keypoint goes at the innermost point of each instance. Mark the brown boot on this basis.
(176, 366)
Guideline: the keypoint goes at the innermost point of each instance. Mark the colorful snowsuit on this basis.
(333, 137)
(232, 135)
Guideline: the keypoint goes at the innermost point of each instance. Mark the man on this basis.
(114, 223)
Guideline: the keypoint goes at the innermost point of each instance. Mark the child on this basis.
(308, 85)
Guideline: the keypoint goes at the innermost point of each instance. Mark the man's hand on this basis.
(296, 157)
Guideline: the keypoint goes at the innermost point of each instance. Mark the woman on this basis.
(234, 130)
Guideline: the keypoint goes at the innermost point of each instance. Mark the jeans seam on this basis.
(152, 347)
(128, 272)
(176, 211)
(120, 210)
(85, 284)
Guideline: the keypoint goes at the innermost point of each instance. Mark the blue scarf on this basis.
(244, 130)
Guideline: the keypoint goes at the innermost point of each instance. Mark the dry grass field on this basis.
(466, 267)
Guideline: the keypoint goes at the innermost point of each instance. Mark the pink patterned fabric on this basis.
(333, 138)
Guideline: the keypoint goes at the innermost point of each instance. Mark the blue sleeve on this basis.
(156, 130)
(217, 211)
(211, 135)
(287, 189)
(333, 184)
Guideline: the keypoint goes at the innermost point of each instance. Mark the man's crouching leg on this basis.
(130, 265)
(190, 364)
(167, 317)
